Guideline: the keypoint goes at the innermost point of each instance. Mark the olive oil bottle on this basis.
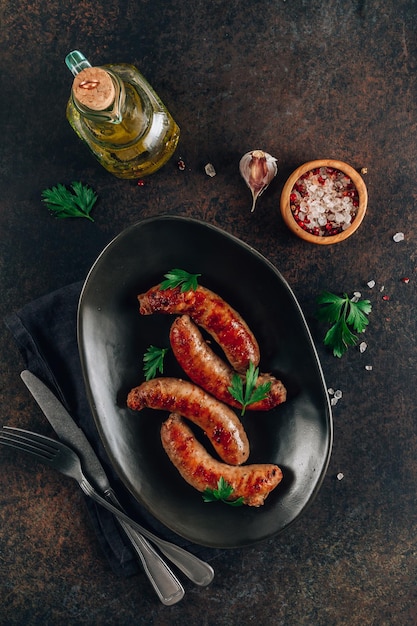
(116, 112)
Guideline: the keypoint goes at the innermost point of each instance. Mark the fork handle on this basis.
(197, 570)
(166, 585)
(162, 578)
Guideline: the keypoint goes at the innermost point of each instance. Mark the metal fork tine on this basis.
(24, 440)
(24, 447)
(28, 435)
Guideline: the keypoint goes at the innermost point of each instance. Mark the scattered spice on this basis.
(386, 298)
(141, 183)
(324, 201)
(209, 169)
(335, 396)
(364, 170)
(362, 347)
(181, 164)
(405, 280)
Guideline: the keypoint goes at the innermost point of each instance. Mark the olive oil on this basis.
(115, 111)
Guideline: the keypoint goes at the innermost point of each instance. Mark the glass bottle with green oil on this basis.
(116, 112)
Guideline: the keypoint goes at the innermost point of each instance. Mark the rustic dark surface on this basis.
(301, 80)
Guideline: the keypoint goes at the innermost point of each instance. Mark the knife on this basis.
(67, 430)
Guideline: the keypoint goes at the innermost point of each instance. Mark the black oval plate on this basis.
(113, 337)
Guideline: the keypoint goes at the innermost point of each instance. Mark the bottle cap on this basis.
(94, 88)
(76, 61)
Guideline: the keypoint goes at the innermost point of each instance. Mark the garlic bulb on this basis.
(258, 168)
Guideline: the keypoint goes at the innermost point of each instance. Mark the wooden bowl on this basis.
(301, 230)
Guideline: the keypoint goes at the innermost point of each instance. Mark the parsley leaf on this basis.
(222, 493)
(153, 360)
(180, 278)
(342, 312)
(62, 202)
(248, 393)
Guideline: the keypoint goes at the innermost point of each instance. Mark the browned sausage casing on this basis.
(210, 311)
(207, 369)
(219, 422)
(252, 482)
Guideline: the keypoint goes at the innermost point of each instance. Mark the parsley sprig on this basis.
(346, 315)
(247, 392)
(62, 202)
(180, 278)
(223, 492)
(153, 361)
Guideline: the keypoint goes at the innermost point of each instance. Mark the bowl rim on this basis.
(306, 167)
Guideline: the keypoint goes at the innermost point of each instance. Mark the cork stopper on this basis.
(94, 88)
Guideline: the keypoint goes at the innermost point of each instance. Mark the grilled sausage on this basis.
(218, 421)
(199, 469)
(207, 369)
(210, 311)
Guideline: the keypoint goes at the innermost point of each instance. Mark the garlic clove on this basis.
(257, 168)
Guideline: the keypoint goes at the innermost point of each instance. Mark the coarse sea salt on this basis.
(324, 201)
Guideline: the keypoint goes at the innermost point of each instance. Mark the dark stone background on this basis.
(302, 80)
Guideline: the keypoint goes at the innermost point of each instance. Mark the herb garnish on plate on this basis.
(180, 278)
(247, 393)
(153, 361)
(222, 493)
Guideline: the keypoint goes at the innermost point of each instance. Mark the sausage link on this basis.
(198, 468)
(210, 311)
(207, 369)
(219, 422)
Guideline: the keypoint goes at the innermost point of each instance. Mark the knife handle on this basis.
(165, 583)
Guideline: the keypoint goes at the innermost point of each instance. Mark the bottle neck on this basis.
(99, 95)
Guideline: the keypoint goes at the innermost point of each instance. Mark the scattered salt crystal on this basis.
(340, 476)
(371, 284)
(209, 169)
(362, 347)
(335, 396)
(398, 237)
(381, 289)
(368, 368)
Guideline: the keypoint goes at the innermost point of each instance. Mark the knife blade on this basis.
(198, 571)
(163, 580)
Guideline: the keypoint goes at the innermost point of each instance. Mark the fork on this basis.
(62, 458)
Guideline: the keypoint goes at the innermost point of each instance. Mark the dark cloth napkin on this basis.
(45, 331)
